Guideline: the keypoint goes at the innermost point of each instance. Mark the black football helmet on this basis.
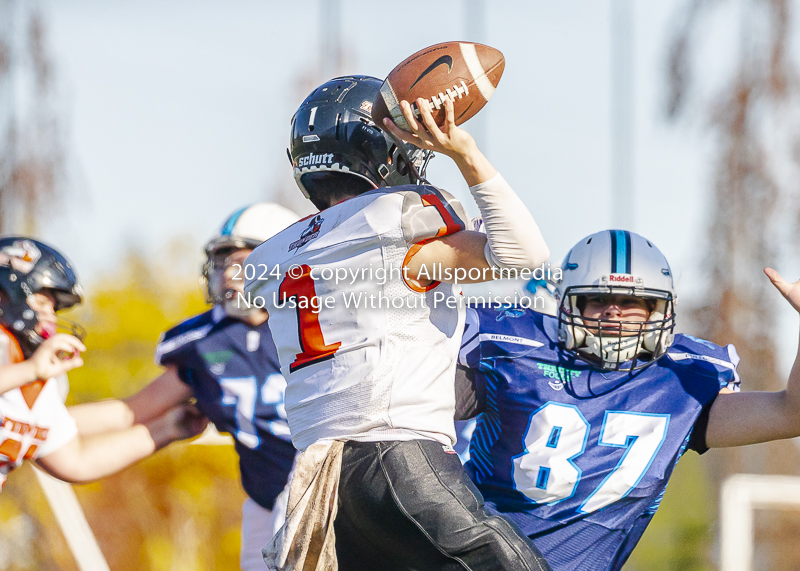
(27, 267)
(333, 132)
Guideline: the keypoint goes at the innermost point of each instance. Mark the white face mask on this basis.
(640, 340)
(612, 349)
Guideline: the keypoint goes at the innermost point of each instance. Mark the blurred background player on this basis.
(225, 360)
(379, 376)
(36, 281)
(585, 415)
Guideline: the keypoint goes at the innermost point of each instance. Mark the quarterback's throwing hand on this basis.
(447, 138)
(791, 291)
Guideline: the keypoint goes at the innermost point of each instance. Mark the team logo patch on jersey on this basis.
(509, 312)
(559, 375)
(216, 361)
(311, 232)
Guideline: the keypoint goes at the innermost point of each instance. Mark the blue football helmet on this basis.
(616, 262)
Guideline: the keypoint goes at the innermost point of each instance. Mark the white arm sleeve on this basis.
(514, 239)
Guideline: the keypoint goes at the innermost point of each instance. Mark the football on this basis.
(464, 72)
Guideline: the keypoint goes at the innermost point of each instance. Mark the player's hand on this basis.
(57, 355)
(447, 139)
(791, 291)
(426, 134)
(185, 421)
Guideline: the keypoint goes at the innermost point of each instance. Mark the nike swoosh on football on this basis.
(444, 60)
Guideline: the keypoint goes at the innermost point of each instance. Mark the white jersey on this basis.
(374, 358)
(34, 420)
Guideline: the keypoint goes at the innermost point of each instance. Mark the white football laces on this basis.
(437, 101)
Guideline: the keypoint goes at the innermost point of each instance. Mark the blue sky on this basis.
(178, 113)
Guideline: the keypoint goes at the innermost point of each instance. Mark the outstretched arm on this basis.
(87, 458)
(738, 419)
(153, 401)
(512, 239)
(54, 357)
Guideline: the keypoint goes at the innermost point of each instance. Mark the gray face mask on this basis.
(220, 293)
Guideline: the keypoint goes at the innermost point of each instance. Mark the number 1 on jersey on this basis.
(309, 331)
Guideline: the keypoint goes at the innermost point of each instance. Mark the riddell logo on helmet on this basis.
(620, 279)
(312, 159)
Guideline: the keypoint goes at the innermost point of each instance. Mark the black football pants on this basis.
(407, 506)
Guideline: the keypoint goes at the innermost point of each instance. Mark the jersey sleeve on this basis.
(177, 343)
(697, 440)
(431, 213)
(10, 351)
(731, 380)
(709, 360)
(165, 353)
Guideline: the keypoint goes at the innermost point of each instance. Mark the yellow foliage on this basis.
(124, 315)
(180, 509)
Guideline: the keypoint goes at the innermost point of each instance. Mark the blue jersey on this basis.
(579, 458)
(234, 374)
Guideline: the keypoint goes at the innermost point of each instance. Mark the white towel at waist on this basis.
(306, 541)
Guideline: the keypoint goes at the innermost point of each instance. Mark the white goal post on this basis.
(71, 519)
(741, 494)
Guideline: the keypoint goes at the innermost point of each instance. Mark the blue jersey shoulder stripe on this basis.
(190, 330)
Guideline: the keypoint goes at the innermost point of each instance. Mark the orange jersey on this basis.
(35, 421)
